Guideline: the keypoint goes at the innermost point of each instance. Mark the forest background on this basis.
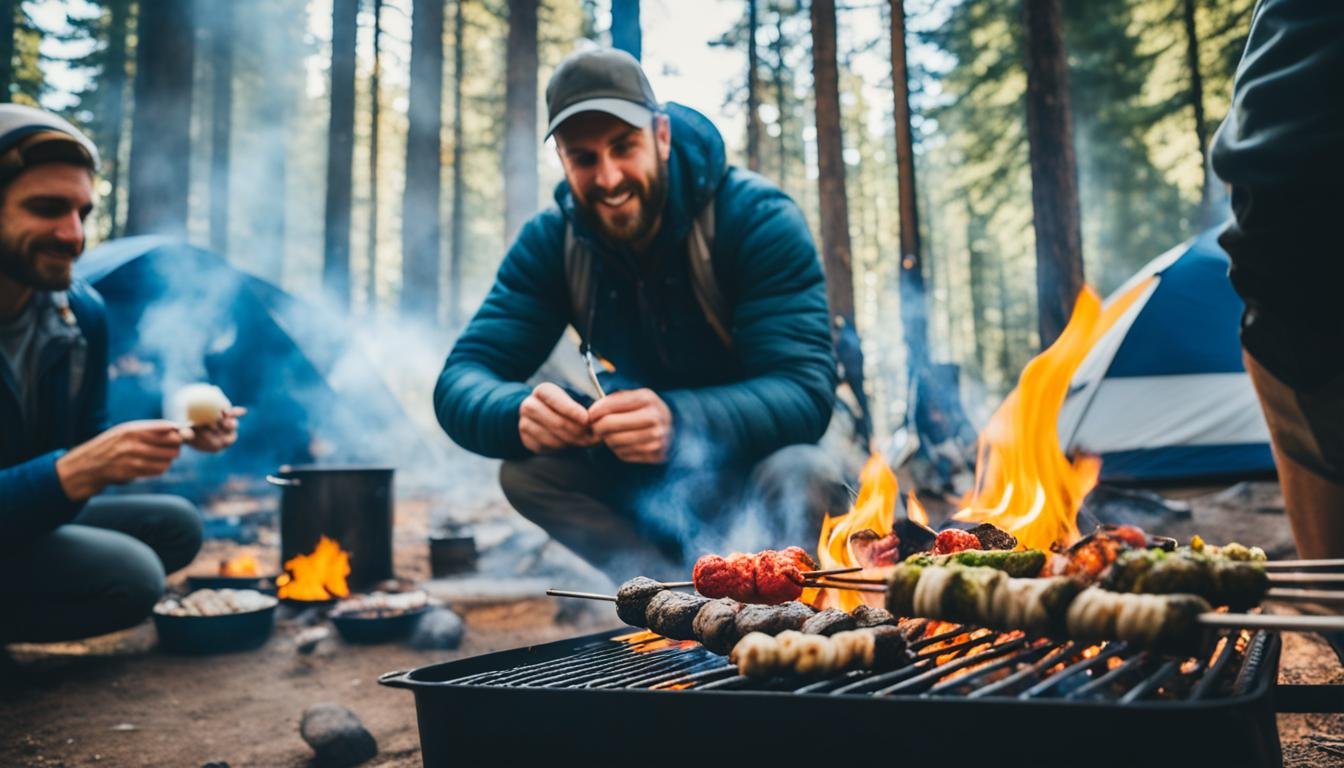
(380, 154)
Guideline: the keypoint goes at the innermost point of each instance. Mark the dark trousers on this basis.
(630, 520)
(101, 572)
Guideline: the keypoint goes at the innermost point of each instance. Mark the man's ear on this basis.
(662, 130)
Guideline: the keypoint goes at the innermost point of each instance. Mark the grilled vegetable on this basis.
(1028, 562)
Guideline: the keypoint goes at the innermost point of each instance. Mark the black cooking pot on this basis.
(352, 505)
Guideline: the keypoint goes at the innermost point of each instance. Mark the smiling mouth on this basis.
(616, 201)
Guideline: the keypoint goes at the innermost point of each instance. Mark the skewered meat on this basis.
(632, 600)
(1151, 621)
(716, 625)
(866, 616)
(672, 614)
(790, 652)
(828, 622)
(1235, 583)
(954, 540)
(771, 576)
(1026, 563)
(872, 550)
(772, 619)
(992, 537)
(1052, 606)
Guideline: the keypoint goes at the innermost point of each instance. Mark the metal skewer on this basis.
(850, 587)
(1306, 578)
(584, 595)
(1294, 564)
(1275, 622)
(831, 571)
(1306, 595)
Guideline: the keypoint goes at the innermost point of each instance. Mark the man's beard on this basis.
(635, 227)
(20, 262)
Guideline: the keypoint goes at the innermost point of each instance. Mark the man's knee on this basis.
(181, 531)
(542, 481)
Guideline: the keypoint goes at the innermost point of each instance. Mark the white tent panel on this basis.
(1152, 411)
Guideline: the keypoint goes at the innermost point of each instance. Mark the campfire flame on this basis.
(874, 510)
(316, 576)
(1024, 483)
(240, 566)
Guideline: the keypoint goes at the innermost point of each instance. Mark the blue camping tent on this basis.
(179, 314)
(1163, 395)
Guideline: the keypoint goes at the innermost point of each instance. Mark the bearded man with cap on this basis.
(698, 284)
(72, 564)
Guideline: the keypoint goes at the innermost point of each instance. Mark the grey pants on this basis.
(628, 520)
(101, 572)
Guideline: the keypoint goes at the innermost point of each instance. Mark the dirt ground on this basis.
(116, 701)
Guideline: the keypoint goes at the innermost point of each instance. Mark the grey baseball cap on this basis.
(599, 80)
(30, 136)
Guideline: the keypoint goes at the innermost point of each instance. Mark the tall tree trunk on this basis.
(8, 8)
(221, 123)
(161, 130)
(340, 152)
(1054, 173)
(458, 220)
(831, 164)
(268, 205)
(1197, 101)
(375, 97)
(753, 92)
(625, 30)
(914, 301)
(781, 99)
(420, 202)
(979, 287)
(114, 107)
(520, 118)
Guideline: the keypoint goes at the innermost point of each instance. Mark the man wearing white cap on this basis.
(72, 564)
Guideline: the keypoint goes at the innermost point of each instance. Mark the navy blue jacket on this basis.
(775, 387)
(69, 413)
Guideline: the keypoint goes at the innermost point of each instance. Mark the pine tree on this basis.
(161, 129)
(420, 230)
(340, 153)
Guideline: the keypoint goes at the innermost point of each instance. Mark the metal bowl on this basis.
(360, 629)
(262, 584)
(199, 635)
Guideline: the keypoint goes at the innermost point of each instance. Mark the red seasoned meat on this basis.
(779, 578)
(954, 540)
(716, 577)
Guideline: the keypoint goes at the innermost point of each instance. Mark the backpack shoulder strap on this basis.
(700, 250)
(579, 276)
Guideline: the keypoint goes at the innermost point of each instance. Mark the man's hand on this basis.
(121, 454)
(213, 438)
(550, 420)
(635, 424)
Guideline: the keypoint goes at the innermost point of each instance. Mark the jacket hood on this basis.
(695, 168)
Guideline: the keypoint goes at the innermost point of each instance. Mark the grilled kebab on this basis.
(791, 652)
(1059, 606)
(769, 577)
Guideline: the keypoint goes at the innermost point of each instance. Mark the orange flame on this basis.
(875, 510)
(317, 576)
(240, 566)
(1024, 483)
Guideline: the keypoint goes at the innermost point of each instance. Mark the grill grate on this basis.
(959, 662)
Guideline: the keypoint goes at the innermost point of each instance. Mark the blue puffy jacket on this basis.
(69, 413)
(775, 387)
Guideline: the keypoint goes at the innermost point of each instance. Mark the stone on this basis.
(439, 629)
(336, 735)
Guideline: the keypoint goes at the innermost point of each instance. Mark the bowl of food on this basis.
(262, 584)
(214, 621)
(379, 617)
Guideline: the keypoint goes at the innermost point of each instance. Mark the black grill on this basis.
(1005, 698)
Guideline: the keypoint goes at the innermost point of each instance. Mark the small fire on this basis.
(317, 576)
(240, 566)
(1024, 483)
(874, 510)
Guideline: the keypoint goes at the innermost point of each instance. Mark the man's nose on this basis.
(70, 228)
(608, 174)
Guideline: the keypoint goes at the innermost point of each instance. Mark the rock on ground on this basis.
(439, 629)
(336, 735)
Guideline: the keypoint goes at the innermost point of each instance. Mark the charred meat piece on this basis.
(890, 650)
(716, 625)
(672, 614)
(772, 619)
(632, 599)
(867, 616)
(992, 537)
(828, 622)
